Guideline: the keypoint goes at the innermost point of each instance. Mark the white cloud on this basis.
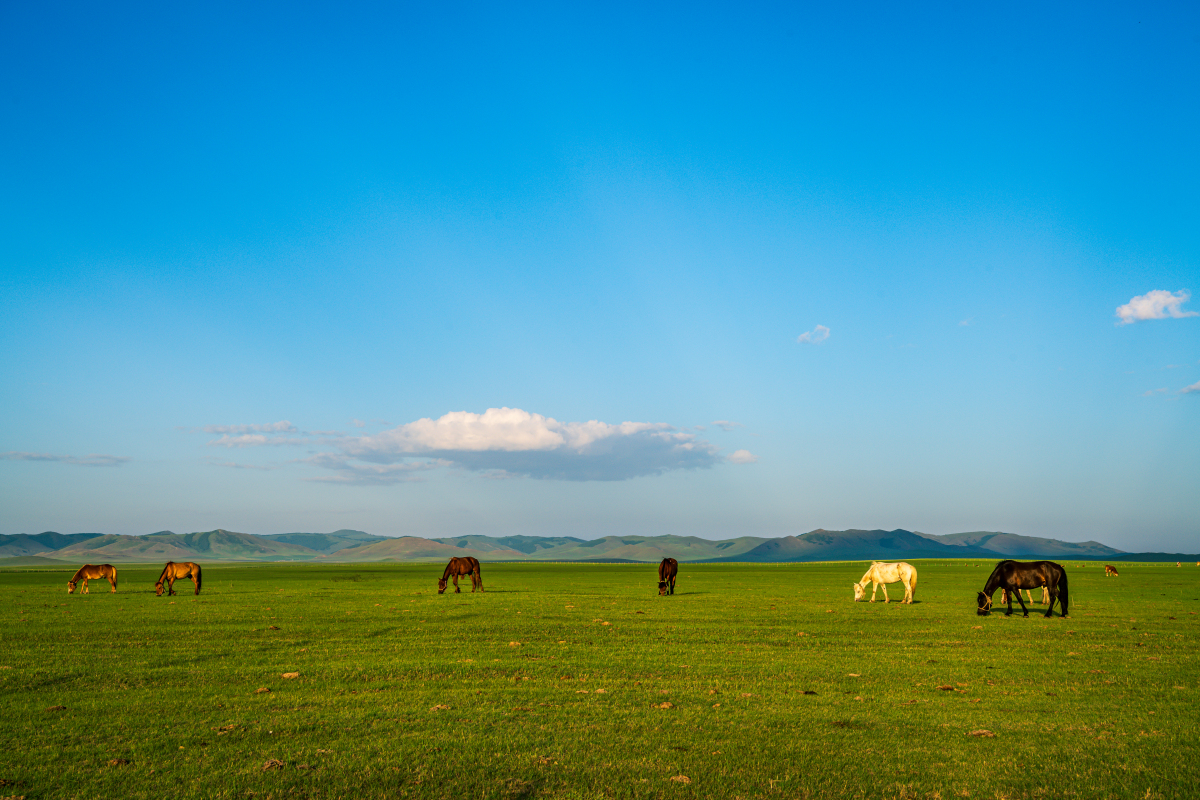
(1152, 392)
(367, 474)
(815, 336)
(255, 440)
(726, 425)
(966, 321)
(1195, 387)
(518, 442)
(742, 457)
(91, 460)
(282, 426)
(358, 423)
(1158, 304)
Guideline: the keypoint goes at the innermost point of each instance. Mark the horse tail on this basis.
(114, 576)
(912, 589)
(197, 567)
(1062, 592)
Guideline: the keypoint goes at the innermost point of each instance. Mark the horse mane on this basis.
(75, 577)
(446, 574)
(163, 576)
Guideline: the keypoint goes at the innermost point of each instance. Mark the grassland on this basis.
(577, 681)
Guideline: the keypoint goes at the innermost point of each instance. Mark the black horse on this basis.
(1016, 575)
(667, 571)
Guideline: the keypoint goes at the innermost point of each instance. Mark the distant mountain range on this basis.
(346, 546)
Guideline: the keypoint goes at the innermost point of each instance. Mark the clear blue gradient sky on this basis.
(350, 218)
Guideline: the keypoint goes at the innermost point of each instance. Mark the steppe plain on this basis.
(571, 680)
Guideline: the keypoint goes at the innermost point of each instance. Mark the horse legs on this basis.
(886, 599)
(196, 583)
(874, 589)
(672, 584)
(1021, 600)
(113, 584)
(456, 589)
(1008, 596)
(85, 589)
(170, 586)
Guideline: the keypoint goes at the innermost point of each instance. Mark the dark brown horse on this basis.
(467, 565)
(94, 572)
(667, 571)
(177, 571)
(1014, 576)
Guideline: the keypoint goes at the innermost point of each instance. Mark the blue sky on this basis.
(245, 252)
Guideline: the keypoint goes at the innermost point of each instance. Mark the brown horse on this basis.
(1110, 570)
(466, 565)
(94, 572)
(1017, 575)
(174, 571)
(667, 570)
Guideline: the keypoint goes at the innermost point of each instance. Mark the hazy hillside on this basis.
(25, 544)
(219, 545)
(854, 545)
(345, 546)
(414, 548)
(1013, 545)
(325, 542)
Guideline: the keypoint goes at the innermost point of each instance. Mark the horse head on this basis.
(860, 592)
(984, 603)
(441, 586)
(70, 587)
(158, 589)
(662, 588)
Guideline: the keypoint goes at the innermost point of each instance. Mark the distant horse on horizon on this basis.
(881, 574)
(93, 572)
(667, 570)
(464, 565)
(1016, 575)
(177, 570)
(1111, 571)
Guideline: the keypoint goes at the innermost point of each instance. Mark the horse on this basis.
(94, 572)
(1016, 575)
(467, 565)
(1111, 571)
(667, 570)
(174, 571)
(1045, 598)
(881, 574)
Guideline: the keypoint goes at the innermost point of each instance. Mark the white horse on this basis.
(881, 575)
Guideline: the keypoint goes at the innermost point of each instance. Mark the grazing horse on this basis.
(466, 565)
(94, 572)
(667, 570)
(1016, 575)
(1110, 570)
(177, 570)
(881, 574)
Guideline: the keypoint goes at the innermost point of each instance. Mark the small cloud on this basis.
(1158, 304)
(815, 336)
(235, 465)
(522, 443)
(1195, 387)
(1152, 392)
(358, 423)
(255, 440)
(742, 457)
(90, 460)
(967, 321)
(282, 426)
(1173, 366)
(726, 425)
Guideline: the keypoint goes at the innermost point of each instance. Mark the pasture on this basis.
(579, 681)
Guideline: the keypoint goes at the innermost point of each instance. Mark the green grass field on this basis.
(578, 681)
